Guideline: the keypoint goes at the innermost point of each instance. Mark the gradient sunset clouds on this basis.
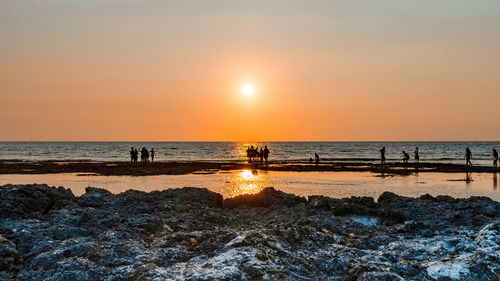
(321, 70)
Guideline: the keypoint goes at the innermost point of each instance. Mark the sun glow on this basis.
(248, 90)
(247, 182)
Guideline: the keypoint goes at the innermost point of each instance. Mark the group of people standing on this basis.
(262, 154)
(256, 153)
(467, 157)
(145, 154)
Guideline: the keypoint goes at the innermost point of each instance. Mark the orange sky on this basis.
(323, 70)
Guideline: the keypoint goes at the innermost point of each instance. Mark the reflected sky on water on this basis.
(333, 184)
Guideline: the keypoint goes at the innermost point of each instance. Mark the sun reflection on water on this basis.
(247, 182)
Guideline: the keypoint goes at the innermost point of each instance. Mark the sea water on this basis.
(444, 152)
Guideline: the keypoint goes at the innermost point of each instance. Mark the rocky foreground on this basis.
(193, 234)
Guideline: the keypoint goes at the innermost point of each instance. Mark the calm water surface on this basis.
(333, 184)
(450, 152)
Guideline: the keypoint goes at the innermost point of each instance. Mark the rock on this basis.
(184, 234)
(84, 218)
(264, 199)
(253, 270)
(319, 202)
(32, 201)
(95, 197)
(203, 195)
(8, 255)
(380, 276)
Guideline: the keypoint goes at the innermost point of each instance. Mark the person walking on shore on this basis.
(132, 152)
(316, 158)
(495, 157)
(248, 154)
(468, 156)
(417, 156)
(144, 155)
(136, 155)
(382, 156)
(152, 153)
(261, 154)
(266, 153)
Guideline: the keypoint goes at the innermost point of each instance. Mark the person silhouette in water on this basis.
(417, 156)
(152, 153)
(316, 158)
(382, 156)
(468, 156)
(495, 157)
(406, 157)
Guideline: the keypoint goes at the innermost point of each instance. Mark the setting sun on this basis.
(248, 90)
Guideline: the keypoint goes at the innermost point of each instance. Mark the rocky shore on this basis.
(48, 233)
(187, 167)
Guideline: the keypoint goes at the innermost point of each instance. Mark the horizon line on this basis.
(248, 141)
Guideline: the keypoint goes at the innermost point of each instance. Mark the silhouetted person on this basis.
(152, 153)
(144, 155)
(406, 157)
(468, 156)
(249, 154)
(417, 156)
(261, 154)
(316, 158)
(132, 152)
(382, 156)
(266, 153)
(495, 157)
(136, 155)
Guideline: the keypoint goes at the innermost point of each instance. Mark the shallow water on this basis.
(332, 184)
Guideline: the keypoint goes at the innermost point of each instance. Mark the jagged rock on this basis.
(32, 201)
(8, 255)
(264, 199)
(184, 234)
(380, 276)
(95, 197)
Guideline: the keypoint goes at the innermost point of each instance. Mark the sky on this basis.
(122, 70)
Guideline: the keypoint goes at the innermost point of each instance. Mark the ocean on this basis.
(446, 152)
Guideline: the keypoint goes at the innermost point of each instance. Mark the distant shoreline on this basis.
(123, 168)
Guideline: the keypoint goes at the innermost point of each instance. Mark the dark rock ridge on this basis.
(121, 168)
(47, 233)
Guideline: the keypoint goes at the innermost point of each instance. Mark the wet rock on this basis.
(253, 270)
(319, 202)
(95, 197)
(184, 234)
(8, 256)
(32, 201)
(362, 206)
(264, 199)
(85, 218)
(380, 276)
